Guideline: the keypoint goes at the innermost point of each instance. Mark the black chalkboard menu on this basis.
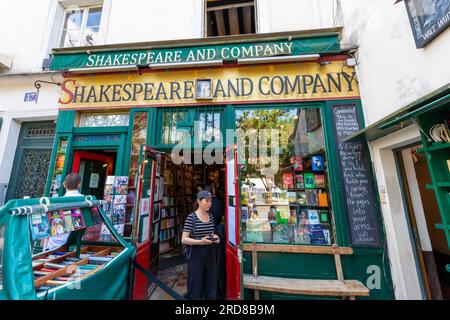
(355, 177)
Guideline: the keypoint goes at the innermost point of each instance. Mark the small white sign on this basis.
(93, 182)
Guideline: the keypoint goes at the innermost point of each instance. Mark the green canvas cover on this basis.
(110, 282)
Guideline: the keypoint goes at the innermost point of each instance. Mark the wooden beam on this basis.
(297, 248)
(220, 23)
(247, 16)
(339, 272)
(347, 288)
(233, 20)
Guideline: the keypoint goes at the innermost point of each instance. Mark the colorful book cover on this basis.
(325, 219)
(319, 180)
(309, 180)
(317, 163)
(77, 219)
(303, 220)
(293, 217)
(301, 198)
(120, 199)
(317, 235)
(312, 197)
(302, 235)
(292, 197)
(299, 183)
(323, 199)
(288, 180)
(283, 214)
(40, 226)
(121, 185)
(313, 217)
(297, 163)
(96, 215)
(56, 222)
(68, 220)
(280, 234)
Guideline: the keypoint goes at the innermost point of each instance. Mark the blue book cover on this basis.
(40, 226)
(317, 163)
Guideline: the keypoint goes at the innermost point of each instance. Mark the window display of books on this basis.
(295, 211)
(56, 268)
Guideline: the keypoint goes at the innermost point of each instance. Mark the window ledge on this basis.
(5, 61)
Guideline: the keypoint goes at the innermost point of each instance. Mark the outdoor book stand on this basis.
(111, 280)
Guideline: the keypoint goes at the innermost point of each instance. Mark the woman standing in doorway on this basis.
(198, 233)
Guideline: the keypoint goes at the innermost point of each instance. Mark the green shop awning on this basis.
(228, 48)
(402, 118)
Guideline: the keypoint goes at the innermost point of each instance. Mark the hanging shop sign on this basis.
(283, 82)
(428, 19)
(325, 44)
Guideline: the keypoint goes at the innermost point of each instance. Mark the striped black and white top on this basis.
(202, 229)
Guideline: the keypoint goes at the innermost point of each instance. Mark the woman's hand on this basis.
(205, 240)
(216, 238)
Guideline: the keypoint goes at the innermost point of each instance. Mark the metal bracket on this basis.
(37, 85)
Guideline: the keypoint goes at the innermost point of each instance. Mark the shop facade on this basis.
(293, 98)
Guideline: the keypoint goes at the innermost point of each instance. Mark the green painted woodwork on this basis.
(328, 43)
(437, 154)
(309, 266)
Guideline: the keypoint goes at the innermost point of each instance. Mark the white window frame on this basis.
(83, 24)
(205, 17)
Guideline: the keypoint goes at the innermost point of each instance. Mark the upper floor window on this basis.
(81, 26)
(230, 17)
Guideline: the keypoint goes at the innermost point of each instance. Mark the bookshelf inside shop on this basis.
(181, 183)
(437, 153)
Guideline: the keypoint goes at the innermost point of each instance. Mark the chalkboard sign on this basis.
(356, 178)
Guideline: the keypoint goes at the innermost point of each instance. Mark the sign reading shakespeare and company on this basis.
(283, 82)
(324, 44)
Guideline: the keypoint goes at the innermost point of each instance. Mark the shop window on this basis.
(171, 133)
(210, 126)
(230, 17)
(284, 191)
(140, 126)
(103, 120)
(81, 26)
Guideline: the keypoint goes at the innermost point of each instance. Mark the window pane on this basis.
(103, 120)
(209, 126)
(92, 26)
(285, 194)
(94, 17)
(72, 28)
(172, 135)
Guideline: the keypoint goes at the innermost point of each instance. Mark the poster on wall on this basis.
(428, 18)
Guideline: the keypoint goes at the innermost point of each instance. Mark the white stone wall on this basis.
(391, 71)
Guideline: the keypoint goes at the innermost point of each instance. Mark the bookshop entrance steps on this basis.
(339, 287)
